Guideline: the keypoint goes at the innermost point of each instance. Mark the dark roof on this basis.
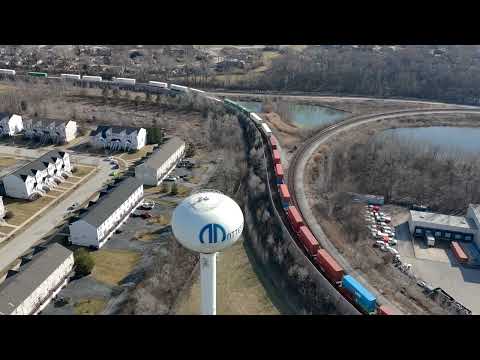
(162, 154)
(39, 164)
(4, 115)
(46, 122)
(19, 287)
(115, 129)
(108, 203)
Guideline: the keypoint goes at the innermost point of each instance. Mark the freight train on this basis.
(346, 284)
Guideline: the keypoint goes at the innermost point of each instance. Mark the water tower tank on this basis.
(207, 221)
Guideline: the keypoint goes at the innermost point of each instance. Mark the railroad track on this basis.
(294, 168)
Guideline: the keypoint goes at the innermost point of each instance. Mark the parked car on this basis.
(171, 178)
(118, 231)
(146, 216)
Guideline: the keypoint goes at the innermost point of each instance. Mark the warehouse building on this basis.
(50, 130)
(37, 282)
(118, 138)
(161, 163)
(111, 210)
(10, 124)
(39, 176)
(447, 227)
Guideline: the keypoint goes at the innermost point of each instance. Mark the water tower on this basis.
(207, 222)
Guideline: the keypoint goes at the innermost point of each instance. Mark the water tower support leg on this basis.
(208, 280)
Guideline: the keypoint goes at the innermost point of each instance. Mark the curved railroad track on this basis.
(297, 164)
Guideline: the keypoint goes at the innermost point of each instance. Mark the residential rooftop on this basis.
(39, 164)
(102, 129)
(165, 151)
(17, 288)
(112, 200)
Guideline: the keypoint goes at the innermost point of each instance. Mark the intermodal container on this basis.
(266, 129)
(279, 173)
(362, 297)
(159, 84)
(91, 78)
(38, 74)
(284, 195)
(257, 119)
(70, 76)
(127, 81)
(384, 310)
(276, 157)
(328, 264)
(458, 252)
(179, 88)
(7, 72)
(295, 218)
(308, 240)
(273, 142)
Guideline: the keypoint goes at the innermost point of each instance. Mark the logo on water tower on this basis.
(214, 231)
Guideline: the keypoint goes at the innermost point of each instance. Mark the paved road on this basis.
(305, 206)
(53, 216)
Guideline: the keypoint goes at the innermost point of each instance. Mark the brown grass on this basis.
(22, 210)
(138, 154)
(6, 229)
(89, 306)
(81, 171)
(7, 161)
(112, 266)
(161, 220)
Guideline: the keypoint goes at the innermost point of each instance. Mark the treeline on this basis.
(451, 74)
(403, 170)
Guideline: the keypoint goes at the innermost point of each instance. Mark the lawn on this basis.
(23, 210)
(138, 154)
(112, 266)
(6, 229)
(5, 88)
(89, 306)
(55, 193)
(7, 161)
(82, 170)
(161, 220)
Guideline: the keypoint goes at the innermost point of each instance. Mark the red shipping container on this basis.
(384, 310)
(273, 142)
(284, 194)
(279, 171)
(458, 252)
(276, 157)
(294, 217)
(308, 240)
(329, 265)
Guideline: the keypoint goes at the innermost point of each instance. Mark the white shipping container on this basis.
(197, 91)
(70, 76)
(163, 85)
(7, 71)
(266, 129)
(91, 78)
(214, 99)
(179, 88)
(124, 81)
(256, 118)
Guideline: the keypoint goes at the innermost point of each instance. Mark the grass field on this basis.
(239, 291)
(89, 306)
(22, 210)
(138, 154)
(6, 229)
(112, 266)
(5, 88)
(7, 161)
(161, 220)
(81, 171)
(55, 193)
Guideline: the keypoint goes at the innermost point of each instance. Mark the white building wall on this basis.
(15, 187)
(42, 293)
(70, 131)
(16, 124)
(2, 208)
(83, 234)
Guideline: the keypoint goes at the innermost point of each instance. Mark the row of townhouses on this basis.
(38, 176)
(118, 138)
(161, 163)
(98, 223)
(43, 130)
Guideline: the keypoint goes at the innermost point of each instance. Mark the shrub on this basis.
(84, 262)
(8, 215)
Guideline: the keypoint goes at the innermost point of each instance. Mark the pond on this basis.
(448, 137)
(304, 115)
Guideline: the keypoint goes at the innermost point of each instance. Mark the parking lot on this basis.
(438, 267)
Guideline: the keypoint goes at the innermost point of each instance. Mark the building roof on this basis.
(164, 153)
(19, 287)
(46, 122)
(441, 219)
(102, 129)
(108, 203)
(31, 168)
(476, 210)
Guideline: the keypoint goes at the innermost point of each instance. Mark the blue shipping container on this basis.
(361, 295)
